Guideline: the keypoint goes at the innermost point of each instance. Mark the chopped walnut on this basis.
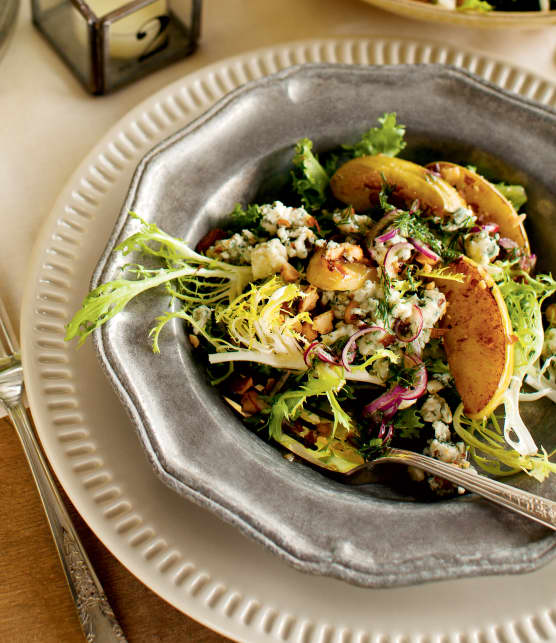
(324, 322)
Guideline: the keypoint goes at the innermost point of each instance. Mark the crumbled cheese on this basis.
(481, 247)
(296, 240)
(370, 343)
(441, 431)
(433, 307)
(201, 316)
(351, 223)
(236, 249)
(268, 258)
(444, 451)
(436, 408)
(277, 215)
(367, 298)
(337, 300)
(381, 368)
(378, 249)
(461, 218)
(342, 330)
(433, 385)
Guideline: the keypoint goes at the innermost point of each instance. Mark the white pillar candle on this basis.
(123, 33)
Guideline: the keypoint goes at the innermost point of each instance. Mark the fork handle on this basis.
(96, 617)
(537, 508)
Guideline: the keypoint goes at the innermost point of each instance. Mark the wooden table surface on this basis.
(35, 602)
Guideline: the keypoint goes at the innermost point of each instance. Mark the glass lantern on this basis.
(108, 43)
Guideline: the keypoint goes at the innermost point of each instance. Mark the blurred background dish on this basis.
(8, 16)
(422, 10)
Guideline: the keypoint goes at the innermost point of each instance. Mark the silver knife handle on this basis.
(96, 617)
(537, 508)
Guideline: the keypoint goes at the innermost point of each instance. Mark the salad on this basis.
(374, 302)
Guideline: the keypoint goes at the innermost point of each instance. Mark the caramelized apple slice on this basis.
(359, 181)
(488, 203)
(337, 274)
(478, 338)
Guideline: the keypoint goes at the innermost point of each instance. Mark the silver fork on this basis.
(96, 617)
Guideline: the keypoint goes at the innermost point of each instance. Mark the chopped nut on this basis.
(241, 385)
(194, 340)
(482, 284)
(289, 273)
(251, 402)
(349, 317)
(324, 322)
(348, 251)
(308, 332)
(310, 300)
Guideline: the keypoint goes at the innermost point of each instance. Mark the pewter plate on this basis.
(371, 536)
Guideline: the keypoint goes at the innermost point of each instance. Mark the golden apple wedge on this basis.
(478, 339)
(359, 181)
(487, 202)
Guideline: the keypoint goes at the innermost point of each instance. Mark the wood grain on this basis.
(35, 603)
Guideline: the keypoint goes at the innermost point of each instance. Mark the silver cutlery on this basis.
(537, 508)
(96, 617)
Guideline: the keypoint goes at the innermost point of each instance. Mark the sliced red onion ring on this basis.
(387, 235)
(504, 242)
(393, 255)
(424, 249)
(385, 432)
(416, 325)
(389, 412)
(384, 401)
(348, 354)
(320, 352)
(421, 386)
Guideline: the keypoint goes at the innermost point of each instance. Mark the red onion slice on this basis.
(385, 432)
(320, 352)
(424, 249)
(421, 386)
(348, 354)
(384, 401)
(308, 351)
(387, 236)
(416, 323)
(393, 255)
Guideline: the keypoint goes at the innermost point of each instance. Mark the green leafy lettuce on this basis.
(310, 179)
(387, 139)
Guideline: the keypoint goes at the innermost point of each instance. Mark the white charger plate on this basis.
(200, 565)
